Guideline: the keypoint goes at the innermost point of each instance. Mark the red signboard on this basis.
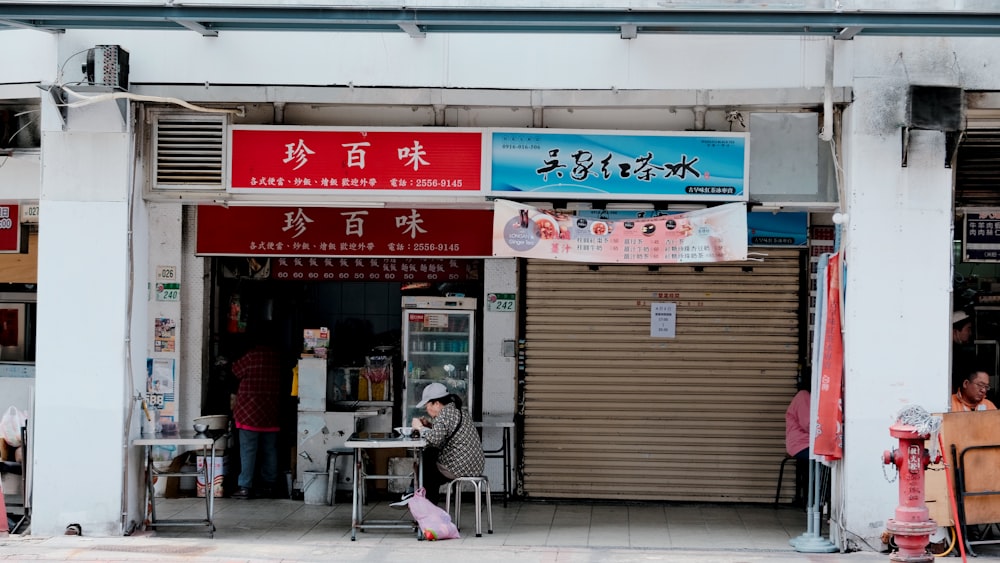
(332, 231)
(374, 269)
(10, 228)
(268, 159)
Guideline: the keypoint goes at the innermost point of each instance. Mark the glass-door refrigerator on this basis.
(438, 342)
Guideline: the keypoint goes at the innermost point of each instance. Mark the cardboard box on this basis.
(219, 473)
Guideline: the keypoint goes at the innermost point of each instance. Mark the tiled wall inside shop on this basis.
(358, 314)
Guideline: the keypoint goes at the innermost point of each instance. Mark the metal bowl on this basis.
(200, 428)
(214, 422)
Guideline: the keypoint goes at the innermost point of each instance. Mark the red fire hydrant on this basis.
(912, 525)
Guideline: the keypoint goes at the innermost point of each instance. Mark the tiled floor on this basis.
(528, 523)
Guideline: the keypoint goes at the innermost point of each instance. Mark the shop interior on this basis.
(364, 320)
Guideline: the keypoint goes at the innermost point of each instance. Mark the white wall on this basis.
(507, 61)
(34, 62)
(20, 177)
(499, 372)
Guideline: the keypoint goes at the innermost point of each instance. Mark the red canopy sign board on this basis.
(330, 231)
(10, 228)
(330, 160)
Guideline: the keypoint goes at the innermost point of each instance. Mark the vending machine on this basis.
(438, 346)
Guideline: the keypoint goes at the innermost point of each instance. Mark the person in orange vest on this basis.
(971, 393)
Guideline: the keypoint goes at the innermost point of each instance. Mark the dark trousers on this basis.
(434, 475)
(801, 477)
(433, 479)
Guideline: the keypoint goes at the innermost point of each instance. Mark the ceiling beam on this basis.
(621, 21)
(22, 25)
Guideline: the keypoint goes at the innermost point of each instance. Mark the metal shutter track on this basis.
(612, 413)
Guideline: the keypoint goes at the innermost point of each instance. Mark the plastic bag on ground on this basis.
(434, 522)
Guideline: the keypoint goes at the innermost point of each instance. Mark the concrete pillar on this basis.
(897, 308)
(88, 365)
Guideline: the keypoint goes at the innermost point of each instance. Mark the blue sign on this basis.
(667, 166)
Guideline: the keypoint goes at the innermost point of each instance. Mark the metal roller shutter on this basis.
(613, 413)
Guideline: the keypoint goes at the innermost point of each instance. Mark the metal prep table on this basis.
(204, 441)
(375, 440)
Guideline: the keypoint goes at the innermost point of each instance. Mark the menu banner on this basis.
(716, 234)
(335, 231)
(334, 160)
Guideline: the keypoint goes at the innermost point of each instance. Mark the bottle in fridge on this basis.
(438, 345)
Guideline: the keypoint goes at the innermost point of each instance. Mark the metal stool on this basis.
(481, 484)
(781, 475)
(331, 470)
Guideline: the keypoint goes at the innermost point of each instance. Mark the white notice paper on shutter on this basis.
(663, 320)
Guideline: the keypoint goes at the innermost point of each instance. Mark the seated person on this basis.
(971, 393)
(454, 449)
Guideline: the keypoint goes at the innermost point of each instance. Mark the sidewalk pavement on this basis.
(395, 550)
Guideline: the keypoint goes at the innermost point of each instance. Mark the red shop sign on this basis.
(268, 159)
(10, 228)
(374, 269)
(331, 231)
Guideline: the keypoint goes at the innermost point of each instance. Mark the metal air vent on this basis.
(189, 152)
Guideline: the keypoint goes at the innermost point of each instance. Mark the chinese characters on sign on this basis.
(331, 160)
(323, 231)
(716, 234)
(694, 166)
(981, 236)
(373, 269)
(10, 228)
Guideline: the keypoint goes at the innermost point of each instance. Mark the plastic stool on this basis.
(331, 470)
(481, 484)
(781, 475)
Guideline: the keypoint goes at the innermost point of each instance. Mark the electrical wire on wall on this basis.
(85, 100)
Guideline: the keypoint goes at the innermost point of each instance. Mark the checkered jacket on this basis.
(258, 401)
(463, 453)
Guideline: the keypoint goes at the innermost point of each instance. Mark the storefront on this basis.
(358, 301)
(583, 319)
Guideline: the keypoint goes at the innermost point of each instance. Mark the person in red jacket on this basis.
(256, 414)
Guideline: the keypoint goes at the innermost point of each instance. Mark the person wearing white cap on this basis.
(454, 447)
